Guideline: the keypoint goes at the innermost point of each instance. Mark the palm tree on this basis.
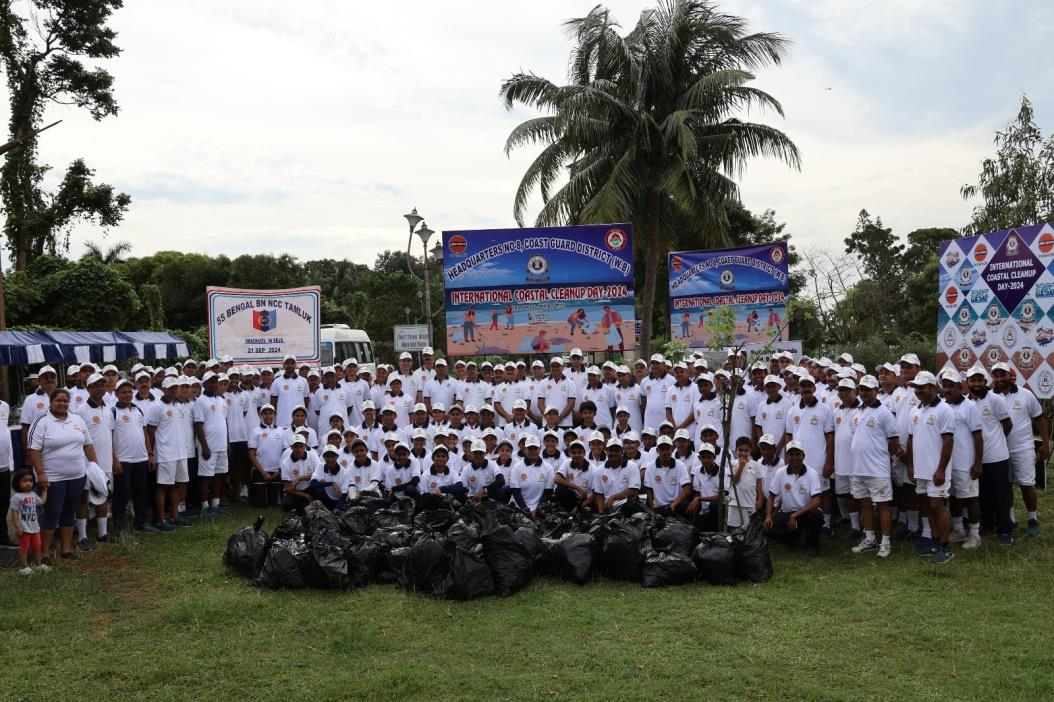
(647, 127)
(114, 254)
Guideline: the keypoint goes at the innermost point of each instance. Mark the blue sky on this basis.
(311, 128)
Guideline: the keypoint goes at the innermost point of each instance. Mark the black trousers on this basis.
(133, 482)
(707, 521)
(994, 492)
(5, 492)
(808, 524)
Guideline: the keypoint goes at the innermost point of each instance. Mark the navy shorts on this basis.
(64, 496)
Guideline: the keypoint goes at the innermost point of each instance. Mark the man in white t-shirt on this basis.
(793, 505)
(994, 485)
(411, 381)
(874, 442)
(558, 391)
(930, 442)
(653, 392)
(210, 429)
(1028, 422)
(965, 463)
(811, 424)
(98, 417)
(288, 392)
(667, 481)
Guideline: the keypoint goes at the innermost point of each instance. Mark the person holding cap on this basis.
(793, 506)
(930, 443)
(874, 444)
(667, 482)
(994, 485)
(1028, 422)
(617, 480)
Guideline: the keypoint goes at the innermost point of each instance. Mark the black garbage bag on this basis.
(571, 557)
(435, 519)
(327, 568)
(553, 520)
(666, 568)
(676, 535)
(368, 559)
(398, 513)
(527, 537)
(357, 521)
(477, 514)
(509, 561)
(370, 503)
(426, 565)
(620, 555)
(715, 559)
(463, 535)
(394, 565)
(284, 565)
(247, 549)
(289, 528)
(317, 519)
(468, 575)
(752, 561)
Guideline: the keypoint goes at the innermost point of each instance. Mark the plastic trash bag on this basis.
(527, 537)
(394, 565)
(715, 559)
(370, 503)
(663, 569)
(553, 521)
(425, 569)
(468, 575)
(463, 535)
(752, 560)
(401, 512)
(284, 565)
(677, 536)
(435, 519)
(357, 521)
(289, 528)
(571, 557)
(317, 518)
(247, 549)
(620, 555)
(327, 568)
(511, 563)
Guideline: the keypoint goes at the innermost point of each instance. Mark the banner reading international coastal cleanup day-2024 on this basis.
(753, 281)
(262, 326)
(545, 290)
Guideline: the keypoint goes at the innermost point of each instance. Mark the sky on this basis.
(311, 128)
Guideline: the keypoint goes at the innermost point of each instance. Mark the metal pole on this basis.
(428, 292)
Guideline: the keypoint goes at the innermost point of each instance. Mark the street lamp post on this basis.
(424, 233)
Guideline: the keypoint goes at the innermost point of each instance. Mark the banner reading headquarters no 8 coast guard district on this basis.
(546, 290)
(997, 304)
(262, 326)
(752, 280)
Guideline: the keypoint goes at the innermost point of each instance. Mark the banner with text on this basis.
(262, 326)
(752, 280)
(545, 290)
(997, 304)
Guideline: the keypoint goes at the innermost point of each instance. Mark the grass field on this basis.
(163, 620)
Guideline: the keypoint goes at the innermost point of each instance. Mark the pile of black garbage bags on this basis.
(464, 552)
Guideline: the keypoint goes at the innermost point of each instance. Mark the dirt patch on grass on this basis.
(119, 575)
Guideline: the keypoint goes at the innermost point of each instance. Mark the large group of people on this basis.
(895, 452)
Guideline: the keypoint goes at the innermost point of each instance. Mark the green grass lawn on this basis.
(163, 619)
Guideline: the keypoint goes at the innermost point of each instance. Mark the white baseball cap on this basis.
(420, 407)
(368, 404)
(664, 441)
(438, 406)
(868, 381)
(951, 374)
(556, 361)
(770, 379)
(614, 443)
(95, 378)
(924, 378)
(980, 370)
(707, 448)
(911, 358)
(1001, 366)
(519, 404)
(847, 357)
(682, 434)
(767, 439)
(405, 356)
(794, 446)
(596, 436)
(846, 384)
(479, 446)
(537, 364)
(575, 352)
(631, 436)
(657, 358)
(428, 351)
(531, 440)
(441, 362)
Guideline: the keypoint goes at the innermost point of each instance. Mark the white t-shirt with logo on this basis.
(872, 428)
(611, 481)
(290, 392)
(967, 421)
(168, 421)
(654, 392)
(795, 491)
(1023, 407)
(99, 421)
(129, 434)
(61, 444)
(929, 425)
(665, 483)
(810, 426)
(532, 480)
(211, 413)
(992, 410)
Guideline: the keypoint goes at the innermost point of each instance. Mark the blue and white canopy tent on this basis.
(29, 348)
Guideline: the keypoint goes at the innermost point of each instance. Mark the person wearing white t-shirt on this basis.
(994, 485)
(706, 481)
(965, 463)
(98, 417)
(812, 425)
(474, 391)
(573, 478)
(681, 399)
(874, 443)
(793, 506)
(667, 481)
(560, 392)
(532, 480)
(627, 393)
(480, 476)
(844, 411)
(364, 472)
(593, 390)
(441, 389)
(210, 429)
(771, 412)
(616, 481)
(1028, 421)
(297, 467)
(427, 371)
(904, 402)
(37, 403)
(744, 481)
(653, 392)
(288, 392)
(769, 462)
(930, 442)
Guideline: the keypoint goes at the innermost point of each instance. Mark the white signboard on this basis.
(411, 337)
(262, 326)
(794, 347)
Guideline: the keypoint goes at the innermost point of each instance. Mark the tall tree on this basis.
(1017, 185)
(114, 254)
(648, 128)
(43, 50)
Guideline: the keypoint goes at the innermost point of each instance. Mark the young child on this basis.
(745, 482)
(24, 505)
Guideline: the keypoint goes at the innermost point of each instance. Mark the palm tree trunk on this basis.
(651, 268)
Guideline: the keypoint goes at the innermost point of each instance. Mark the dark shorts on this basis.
(238, 455)
(60, 510)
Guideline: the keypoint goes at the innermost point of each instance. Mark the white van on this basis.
(339, 342)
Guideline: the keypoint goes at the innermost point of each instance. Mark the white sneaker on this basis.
(43, 568)
(972, 541)
(864, 546)
(885, 550)
(244, 493)
(957, 537)
(26, 571)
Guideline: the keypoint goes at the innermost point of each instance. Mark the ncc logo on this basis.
(265, 320)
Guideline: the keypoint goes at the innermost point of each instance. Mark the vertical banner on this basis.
(262, 326)
(752, 280)
(545, 290)
(997, 304)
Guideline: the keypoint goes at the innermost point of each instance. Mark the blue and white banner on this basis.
(545, 290)
(753, 281)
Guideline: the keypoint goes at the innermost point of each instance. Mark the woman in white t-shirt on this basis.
(59, 451)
